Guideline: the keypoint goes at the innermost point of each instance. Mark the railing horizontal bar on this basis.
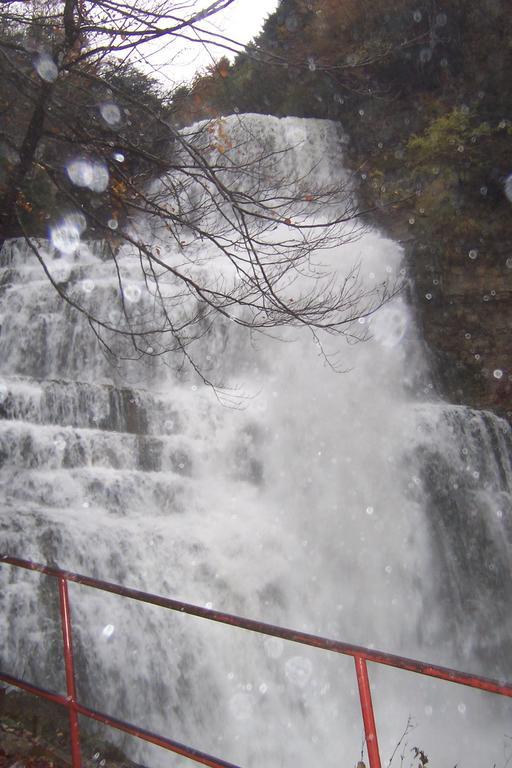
(121, 725)
(379, 657)
(153, 738)
(34, 689)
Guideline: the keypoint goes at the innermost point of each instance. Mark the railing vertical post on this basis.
(365, 696)
(65, 616)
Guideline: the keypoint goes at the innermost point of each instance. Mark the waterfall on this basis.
(352, 504)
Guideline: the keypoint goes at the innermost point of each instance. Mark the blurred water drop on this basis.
(46, 68)
(274, 647)
(462, 708)
(417, 16)
(132, 293)
(87, 286)
(241, 706)
(508, 187)
(473, 254)
(389, 325)
(112, 223)
(441, 20)
(108, 630)
(498, 374)
(111, 113)
(369, 510)
(298, 670)
(311, 64)
(92, 174)
(118, 157)
(65, 235)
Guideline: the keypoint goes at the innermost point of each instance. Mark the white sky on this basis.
(242, 21)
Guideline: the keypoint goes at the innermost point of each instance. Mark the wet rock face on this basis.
(464, 308)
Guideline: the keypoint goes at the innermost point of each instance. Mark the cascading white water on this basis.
(332, 503)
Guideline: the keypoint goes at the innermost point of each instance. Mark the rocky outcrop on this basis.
(464, 308)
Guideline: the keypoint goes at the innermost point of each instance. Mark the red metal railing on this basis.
(360, 655)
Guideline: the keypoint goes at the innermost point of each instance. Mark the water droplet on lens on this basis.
(112, 223)
(369, 510)
(46, 68)
(389, 326)
(87, 286)
(132, 293)
(108, 630)
(417, 16)
(428, 710)
(462, 708)
(273, 647)
(263, 688)
(508, 187)
(483, 191)
(311, 64)
(473, 254)
(92, 174)
(298, 670)
(111, 113)
(441, 19)
(241, 706)
(497, 373)
(118, 157)
(65, 236)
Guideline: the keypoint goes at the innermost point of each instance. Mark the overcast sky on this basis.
(241, 21)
